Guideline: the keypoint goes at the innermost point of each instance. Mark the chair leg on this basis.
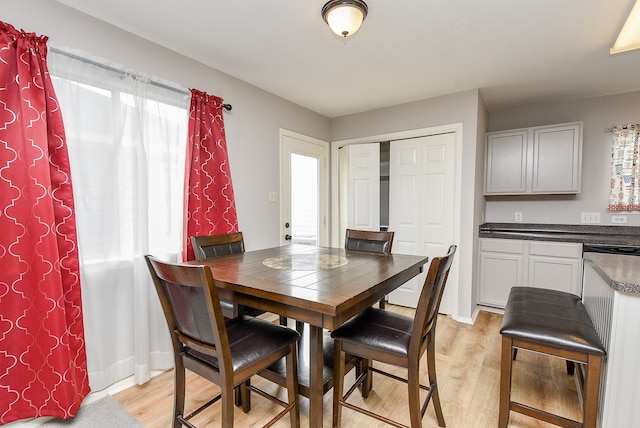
(591, 390)
(433, 381)
(245, 394)
(237, 395)
(227, 406)
(338, 383)
(292, 386)
(178, 395)
(506, 366)
(367, 386)
(413, 382)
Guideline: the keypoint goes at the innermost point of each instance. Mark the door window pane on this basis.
(304, 199)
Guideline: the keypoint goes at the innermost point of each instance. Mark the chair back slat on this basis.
(368, 241)
(205, 247)
(431, 296)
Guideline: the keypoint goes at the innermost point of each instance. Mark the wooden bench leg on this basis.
(592, 390)
(506, 365)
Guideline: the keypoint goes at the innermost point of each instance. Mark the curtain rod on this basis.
(227, 107)
(630, 126)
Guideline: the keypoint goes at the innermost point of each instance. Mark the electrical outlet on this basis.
(590, 217)
(518, 216)
(273, 196)
(618, 219)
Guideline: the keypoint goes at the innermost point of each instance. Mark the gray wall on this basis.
(598, 114)
(252, 127)
(466, 108)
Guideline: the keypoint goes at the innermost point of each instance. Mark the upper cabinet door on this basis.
(557, 154)
(506, 162)
(542, 159)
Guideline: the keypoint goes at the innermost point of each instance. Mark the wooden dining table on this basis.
(320, 286)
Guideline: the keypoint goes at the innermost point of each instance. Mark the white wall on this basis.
(252, 127)
(598, 114)
(466, 108)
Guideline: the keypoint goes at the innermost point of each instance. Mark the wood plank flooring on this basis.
(468, 370)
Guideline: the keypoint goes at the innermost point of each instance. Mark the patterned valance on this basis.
(625, 169)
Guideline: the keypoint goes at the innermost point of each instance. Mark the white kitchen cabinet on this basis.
(556, 265)
(502, 266)
(537, 160)
(508, 262)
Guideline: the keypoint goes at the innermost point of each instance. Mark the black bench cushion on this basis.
(550, 317)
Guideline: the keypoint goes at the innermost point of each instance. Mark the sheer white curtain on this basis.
(126, 135)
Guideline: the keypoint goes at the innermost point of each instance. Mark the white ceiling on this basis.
(515, 51)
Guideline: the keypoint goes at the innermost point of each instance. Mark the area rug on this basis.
(103, 413)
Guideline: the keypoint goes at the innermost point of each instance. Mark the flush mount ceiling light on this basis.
(344, 17)
(629, 37)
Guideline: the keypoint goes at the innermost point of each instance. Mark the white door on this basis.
(304, 188)
(359, 188)
(422, 206)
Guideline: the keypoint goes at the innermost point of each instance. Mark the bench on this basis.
(554, 323)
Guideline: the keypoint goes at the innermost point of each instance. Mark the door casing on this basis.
(292, 142)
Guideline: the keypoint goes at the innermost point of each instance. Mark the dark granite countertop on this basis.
(622, 273)
(584, 234)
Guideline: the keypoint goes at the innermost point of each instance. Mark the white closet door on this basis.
(363, 188)
(422, 205)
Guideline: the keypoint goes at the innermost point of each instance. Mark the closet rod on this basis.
(227, 107)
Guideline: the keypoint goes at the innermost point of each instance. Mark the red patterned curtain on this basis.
(43, 369)
(210, 206)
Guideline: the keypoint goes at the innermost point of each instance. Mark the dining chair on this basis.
(395, 339)
(208, 246)
(369, 242)
(226, 353)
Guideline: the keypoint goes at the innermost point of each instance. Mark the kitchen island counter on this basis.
(622, 273)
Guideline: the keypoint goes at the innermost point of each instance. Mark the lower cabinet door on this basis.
(498, 273)
(556, 273)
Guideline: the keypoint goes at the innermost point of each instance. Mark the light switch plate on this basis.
(273, 196)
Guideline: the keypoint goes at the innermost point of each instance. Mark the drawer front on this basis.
(502, 245)
(556, 249)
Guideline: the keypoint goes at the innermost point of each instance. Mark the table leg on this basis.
(315, 376)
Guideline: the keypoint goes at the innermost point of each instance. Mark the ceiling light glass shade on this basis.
(629, 37)
(344, 16)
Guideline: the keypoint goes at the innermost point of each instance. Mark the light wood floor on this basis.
(468, 370)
